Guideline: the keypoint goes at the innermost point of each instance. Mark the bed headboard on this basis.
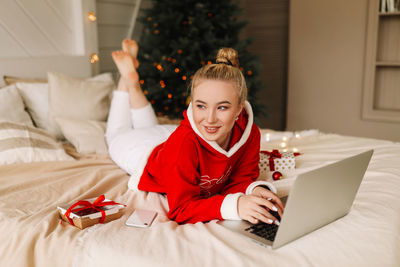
(45, 35)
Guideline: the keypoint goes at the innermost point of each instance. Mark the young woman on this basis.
(208, 165)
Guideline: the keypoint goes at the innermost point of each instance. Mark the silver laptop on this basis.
(316, 199)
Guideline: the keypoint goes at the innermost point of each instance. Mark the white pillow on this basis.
(76, 98)
(22, 143)
(12, 106)
(87, 136)
(36, 98)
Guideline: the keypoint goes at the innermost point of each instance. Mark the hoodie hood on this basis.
(245, 136)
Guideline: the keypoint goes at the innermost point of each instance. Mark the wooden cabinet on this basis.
(381, 98)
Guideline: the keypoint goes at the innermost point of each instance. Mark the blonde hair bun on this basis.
(228, 56)
(225, 69)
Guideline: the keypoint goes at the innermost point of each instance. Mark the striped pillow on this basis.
(21, 143)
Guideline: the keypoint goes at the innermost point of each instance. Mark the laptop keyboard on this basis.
(265, 230)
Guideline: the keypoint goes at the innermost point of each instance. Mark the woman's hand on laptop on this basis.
(263, 192)
(254, 209)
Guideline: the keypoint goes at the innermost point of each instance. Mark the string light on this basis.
(156, 32)
(284, 140)
(159, 67)
(176, 70)
(92, 16)
(249, 72)
(184, 77)
(94, 58)
(169, 96)
(141, 81)
(162, 83)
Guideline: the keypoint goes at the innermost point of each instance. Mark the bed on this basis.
(32, 235)
(52, 151)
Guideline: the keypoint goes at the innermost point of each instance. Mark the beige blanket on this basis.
(32, 236)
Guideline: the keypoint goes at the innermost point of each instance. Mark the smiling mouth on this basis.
(211, 130)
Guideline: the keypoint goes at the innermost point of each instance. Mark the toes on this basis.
(130, 46)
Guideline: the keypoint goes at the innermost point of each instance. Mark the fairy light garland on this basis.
(284, 141)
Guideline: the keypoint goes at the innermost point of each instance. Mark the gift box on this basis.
(276, 161)
(285, 162)
(86, 213)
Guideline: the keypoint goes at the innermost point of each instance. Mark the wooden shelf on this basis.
(383, 14)
(381, 101)
(388, 63)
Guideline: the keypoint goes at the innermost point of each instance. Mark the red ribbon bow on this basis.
(99, 202)
(272, 155)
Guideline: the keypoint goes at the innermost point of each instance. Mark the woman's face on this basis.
(215, 107)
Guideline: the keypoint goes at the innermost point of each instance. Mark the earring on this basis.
(236, 118)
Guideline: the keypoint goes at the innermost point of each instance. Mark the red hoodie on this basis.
(198, 175)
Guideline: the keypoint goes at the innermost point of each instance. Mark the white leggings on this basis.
(132, 134)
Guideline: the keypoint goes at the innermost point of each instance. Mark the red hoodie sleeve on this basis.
(186, 205)
(246, 170)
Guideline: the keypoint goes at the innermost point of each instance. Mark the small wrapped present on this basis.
(85, 213)
(285, 162)
(276, 161)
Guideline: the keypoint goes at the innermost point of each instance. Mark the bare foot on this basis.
(124, 63)
(129, 79)
(131, 47)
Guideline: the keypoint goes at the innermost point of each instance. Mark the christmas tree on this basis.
(179, 37)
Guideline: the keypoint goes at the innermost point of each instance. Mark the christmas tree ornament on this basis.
(277, 176)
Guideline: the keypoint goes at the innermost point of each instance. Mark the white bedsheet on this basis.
(368, 236)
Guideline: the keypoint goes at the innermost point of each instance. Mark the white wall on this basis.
(43, 35)
(116, 21)
(326, 64)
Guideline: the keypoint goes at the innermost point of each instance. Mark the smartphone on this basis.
(141, 218)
